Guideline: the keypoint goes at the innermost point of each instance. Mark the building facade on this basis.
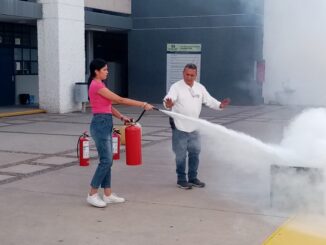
(46, 47)
(230, 35)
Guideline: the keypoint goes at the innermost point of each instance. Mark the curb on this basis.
(20, 113)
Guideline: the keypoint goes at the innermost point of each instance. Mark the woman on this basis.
(101, 99)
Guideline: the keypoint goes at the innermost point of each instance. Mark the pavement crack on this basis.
(212, 209)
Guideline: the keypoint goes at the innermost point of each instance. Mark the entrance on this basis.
(113, 47)
(7, 78)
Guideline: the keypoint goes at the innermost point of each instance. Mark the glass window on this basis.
(26, 54)
(34, 68)
(26, 67)
(18, 67)
(34, 39)
(18, 54)
(23, 40)
(34, 54)
(7, 40)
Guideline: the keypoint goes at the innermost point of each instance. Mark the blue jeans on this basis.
(183, 143)
(101, 131)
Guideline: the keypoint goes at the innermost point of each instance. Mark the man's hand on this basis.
(225, 103)
(168, 103)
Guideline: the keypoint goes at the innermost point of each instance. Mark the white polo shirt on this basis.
(188, 101)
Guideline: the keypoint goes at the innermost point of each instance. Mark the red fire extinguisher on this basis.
(83, 149)
(116, 144)
(133, 144)
(133, 134)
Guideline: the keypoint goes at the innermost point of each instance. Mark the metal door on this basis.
(7, 78)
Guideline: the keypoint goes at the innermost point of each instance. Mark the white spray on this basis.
(303, 145)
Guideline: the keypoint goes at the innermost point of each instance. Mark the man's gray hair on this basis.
(190, 66)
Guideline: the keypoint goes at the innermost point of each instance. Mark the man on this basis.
(186, 97)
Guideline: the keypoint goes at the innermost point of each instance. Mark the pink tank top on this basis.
(99, 103)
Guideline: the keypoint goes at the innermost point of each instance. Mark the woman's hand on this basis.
(148, 107)
(126, 119)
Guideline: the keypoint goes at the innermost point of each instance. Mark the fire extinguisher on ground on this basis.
(116, 144)
(83, 149)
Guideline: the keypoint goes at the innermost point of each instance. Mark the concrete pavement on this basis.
(43, 190)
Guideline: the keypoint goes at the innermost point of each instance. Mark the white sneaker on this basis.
(96, 201)
(113, 198)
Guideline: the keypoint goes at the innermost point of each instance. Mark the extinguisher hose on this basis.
(142, 114)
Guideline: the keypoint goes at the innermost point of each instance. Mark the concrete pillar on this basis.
(61, 51)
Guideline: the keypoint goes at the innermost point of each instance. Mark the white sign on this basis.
(17, 41)
(178, 55)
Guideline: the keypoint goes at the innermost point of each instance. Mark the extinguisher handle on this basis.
(117, 131)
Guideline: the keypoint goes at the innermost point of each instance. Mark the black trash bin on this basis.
(24, 99)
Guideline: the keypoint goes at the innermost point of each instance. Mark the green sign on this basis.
(184, 48)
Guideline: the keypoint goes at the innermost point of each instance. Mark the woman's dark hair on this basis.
(96, 64)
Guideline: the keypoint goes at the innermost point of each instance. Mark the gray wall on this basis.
(230, 32)
(14, 9)
(27, 85)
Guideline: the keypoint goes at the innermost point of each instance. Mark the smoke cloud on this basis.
(294, 39)
(288, 176)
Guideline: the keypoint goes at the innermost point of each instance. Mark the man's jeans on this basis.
(101, 131)
(183, 142)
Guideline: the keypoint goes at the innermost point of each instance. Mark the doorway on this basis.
(7, 78)
(113, 47)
